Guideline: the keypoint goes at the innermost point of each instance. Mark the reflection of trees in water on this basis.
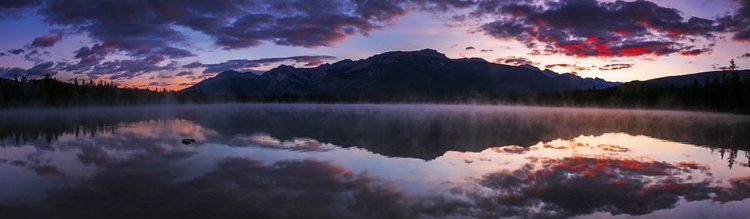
(402, 131)
(732, 155)
(427, 133)
(22, 126)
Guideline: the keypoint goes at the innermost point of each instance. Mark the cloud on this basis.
(116, 69)
(513, 60)
(48, 40)
(141, 29)
(744, 56)
(37, 71)
(610, 67)
(159, 84)
(17, 4)
(16, 51)
(606, 29)
(738, 23)
(574, 67)
(230, 24)
(470, 48)
(486, 50)
(187, 84)
(11, 8)
(184, 73)
(244, 64)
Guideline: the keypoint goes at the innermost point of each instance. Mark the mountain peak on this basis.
(530, 67)
(233, 74)
(425, 52)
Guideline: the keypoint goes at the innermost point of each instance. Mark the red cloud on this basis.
(599, 29)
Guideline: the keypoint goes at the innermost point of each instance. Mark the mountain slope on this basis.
(688, 79)
(423, 73)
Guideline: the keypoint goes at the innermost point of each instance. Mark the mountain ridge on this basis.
(424, 72)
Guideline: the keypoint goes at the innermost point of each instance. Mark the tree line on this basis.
(51, 92)
(725, 92)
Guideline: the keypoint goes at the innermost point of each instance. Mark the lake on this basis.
(372, 161)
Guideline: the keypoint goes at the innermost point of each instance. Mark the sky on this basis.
(173, 44)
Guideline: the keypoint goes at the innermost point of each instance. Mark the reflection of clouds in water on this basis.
(297, 144)
(578, 186)
(144, 187)
(50, 172)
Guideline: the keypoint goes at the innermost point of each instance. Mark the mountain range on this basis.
(399, 73)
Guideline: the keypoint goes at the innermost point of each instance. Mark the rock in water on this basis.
(187, 141)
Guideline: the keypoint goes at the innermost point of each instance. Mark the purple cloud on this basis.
(16, 51)
(48, 40)
(244, 64)
(513, 60)
(159, 84)
(184, 73)
(36, 71)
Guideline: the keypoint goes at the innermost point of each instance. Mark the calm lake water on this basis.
(372, 161)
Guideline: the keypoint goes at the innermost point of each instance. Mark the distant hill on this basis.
(411, 73)
(688, 79)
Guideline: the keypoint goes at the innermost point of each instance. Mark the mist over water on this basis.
(371, 161)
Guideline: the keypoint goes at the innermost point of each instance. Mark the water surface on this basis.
(372, 161)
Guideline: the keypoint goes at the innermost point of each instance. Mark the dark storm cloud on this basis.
(512, 60)
(232, 24)
(48, 40)
(606, 29)
(10, 8)
(16, 4)
(618, 66)
(244, 64)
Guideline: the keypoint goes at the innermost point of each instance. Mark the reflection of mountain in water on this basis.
(420, 131)
(141, 169)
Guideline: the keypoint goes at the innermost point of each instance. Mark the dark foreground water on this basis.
(372, 161)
